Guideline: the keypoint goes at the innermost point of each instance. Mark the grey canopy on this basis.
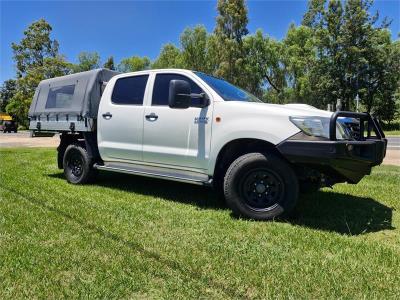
(75, 94)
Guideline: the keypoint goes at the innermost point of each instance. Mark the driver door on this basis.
(176, 137)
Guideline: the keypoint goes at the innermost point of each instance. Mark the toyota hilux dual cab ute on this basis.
(192, 127)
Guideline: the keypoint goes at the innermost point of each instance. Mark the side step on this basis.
(157, 172)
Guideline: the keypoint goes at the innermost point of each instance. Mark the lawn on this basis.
(392, 133)
(133, 237)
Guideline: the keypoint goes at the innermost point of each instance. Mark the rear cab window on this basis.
(129, 90)
(161, 89)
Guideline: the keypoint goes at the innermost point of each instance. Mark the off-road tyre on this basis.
(260, 186)
(78, 167)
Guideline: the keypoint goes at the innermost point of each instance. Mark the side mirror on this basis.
(204, 100)
(179, 94)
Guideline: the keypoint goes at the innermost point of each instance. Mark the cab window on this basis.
(129, 90)
(161, 89)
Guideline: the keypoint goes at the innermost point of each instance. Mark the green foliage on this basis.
(109, 64)
(26, 85)
(299, 56)
(391, 127)
(262, 64)
(195, 55)
(36, 59)
(353, 56)
(384, 93)
(134, 63)
(170, 57)
(229, 32)
(87, 61)
(232, 19)
(34, 47)
(7, 91)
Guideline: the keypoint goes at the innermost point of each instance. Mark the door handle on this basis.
(151, 117)
(107, 116)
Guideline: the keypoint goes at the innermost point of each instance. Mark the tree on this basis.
(36, 58)
(314, 15)
(230, 29)
(170, 57)
(262, 64)
(327, 75)
(353, 55)
(194, 49)
(298, 56)
(134, 63)
(34, 47)
(87, 61)
(7, 91)
(386, 104)
(26, 86)
(109, 64)
(256, 62)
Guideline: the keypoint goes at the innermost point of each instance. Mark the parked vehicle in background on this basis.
(192, 127)
(7, 124)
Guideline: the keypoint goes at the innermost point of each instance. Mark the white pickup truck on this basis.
(192, 127)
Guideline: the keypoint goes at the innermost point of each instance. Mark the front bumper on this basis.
(343, 160)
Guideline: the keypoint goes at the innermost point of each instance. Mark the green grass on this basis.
(392, 132)
(392, 129)
(133, 237)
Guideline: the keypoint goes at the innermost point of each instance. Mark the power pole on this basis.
(357, 99)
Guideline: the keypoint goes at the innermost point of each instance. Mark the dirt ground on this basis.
(392, 157)
(22, 139)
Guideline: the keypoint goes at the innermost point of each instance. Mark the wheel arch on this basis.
(238, 147)
(87, 140)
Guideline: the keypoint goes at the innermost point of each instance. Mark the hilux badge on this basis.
(200, 120)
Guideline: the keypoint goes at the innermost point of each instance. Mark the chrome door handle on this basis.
(107, 116)
(151, 117)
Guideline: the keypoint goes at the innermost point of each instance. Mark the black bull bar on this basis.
(344, 160)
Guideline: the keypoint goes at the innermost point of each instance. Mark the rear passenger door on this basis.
(120, 120)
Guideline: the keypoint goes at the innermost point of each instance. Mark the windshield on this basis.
(227, 91)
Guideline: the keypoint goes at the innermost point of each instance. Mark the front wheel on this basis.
(77, 165)
(260, 186)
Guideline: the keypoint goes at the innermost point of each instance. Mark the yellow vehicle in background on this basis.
(7, 124)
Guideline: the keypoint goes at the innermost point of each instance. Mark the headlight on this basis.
(318, 126)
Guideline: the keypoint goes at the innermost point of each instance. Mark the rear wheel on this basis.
(77, 165)
(260, 186)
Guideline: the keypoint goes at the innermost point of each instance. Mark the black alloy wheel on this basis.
(78, 166)
(260, 186)
(261, 189)
(75, 163)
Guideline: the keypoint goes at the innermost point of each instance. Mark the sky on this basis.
(127, 28)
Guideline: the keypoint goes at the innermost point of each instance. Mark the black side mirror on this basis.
(179, 94)
(204, 100)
